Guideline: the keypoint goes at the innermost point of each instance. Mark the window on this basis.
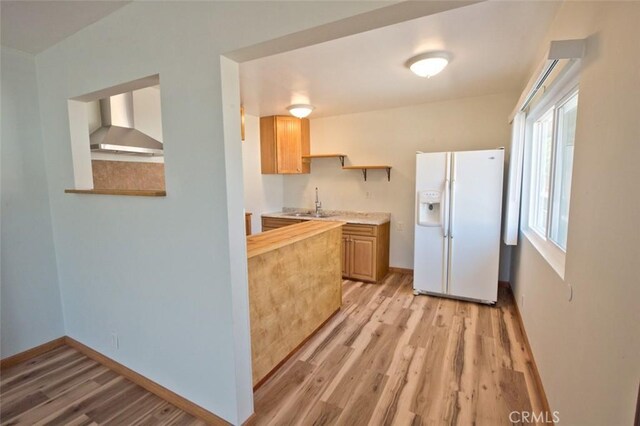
(541, 172)
(551, 128)
(565, 141)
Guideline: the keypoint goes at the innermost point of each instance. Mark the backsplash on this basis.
(127, 175)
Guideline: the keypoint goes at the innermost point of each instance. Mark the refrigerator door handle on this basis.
(449, 263)
(445, 265)
(452, 208)
(444, 210)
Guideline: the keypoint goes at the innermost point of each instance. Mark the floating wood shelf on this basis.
(365, 168)
(132, 192)
(338, 156)
(341, 157)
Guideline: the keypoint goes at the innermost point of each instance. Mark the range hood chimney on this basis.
(118, 133)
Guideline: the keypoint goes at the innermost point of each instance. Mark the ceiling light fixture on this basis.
(300, 110)
(428, 64)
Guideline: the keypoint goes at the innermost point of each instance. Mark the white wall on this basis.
(94, 116)
(147, 115)
(262, 193)
(587, 349)
(31, 311)
(392, 137)
(230, 85)
(167, 274)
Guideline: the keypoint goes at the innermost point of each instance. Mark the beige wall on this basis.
(588, 349)
(392, 137)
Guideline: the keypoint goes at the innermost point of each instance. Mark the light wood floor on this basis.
(389, 357)
(64, 387)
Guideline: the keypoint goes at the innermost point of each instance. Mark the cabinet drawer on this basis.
(269, 223)
(357, 229)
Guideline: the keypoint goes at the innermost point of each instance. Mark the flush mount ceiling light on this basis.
(300, 110)
(428, 64)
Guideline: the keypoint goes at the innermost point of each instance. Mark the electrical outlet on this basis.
(400, 226)
(115, 340)
(522, 301)
(368, 195)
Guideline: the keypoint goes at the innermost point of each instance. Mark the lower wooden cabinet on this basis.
(365, 248)
(366, 251)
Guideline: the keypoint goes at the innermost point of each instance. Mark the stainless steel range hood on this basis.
(118, 133)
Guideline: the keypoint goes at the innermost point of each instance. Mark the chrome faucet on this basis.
(318, 203)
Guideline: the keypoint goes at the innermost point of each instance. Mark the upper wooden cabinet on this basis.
(283, 142)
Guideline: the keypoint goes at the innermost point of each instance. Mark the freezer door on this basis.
(431, 222)
(474, 233)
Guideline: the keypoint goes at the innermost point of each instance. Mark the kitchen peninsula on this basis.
(295, 286)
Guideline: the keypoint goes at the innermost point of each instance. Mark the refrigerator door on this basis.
(431, 222)
(474, 231)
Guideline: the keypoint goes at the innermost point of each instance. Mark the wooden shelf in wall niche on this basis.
(338, 156)
(130, 192)
(365, 168)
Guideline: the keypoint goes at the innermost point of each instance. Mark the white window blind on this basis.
(514, 186)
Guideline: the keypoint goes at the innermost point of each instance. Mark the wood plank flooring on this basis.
(387, 358)
(64, 387)
(391, 358)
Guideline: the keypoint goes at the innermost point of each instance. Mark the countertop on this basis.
(361, 218)
(271, 240)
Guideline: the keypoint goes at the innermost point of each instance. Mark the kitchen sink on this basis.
(311, 214)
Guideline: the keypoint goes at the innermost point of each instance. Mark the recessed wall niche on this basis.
(116, 140)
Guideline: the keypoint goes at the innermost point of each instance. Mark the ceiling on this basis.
(493, 44)
(33, 26)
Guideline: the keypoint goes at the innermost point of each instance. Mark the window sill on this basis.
(553, 257)
(130, 192)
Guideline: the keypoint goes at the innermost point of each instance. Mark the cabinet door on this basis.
(289, 145)
(268, 159)
(345, 256)
(362, 258)
(305, 148)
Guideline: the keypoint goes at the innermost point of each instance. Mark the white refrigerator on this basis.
(457, 226)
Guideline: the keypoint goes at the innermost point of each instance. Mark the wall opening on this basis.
(117, 140)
